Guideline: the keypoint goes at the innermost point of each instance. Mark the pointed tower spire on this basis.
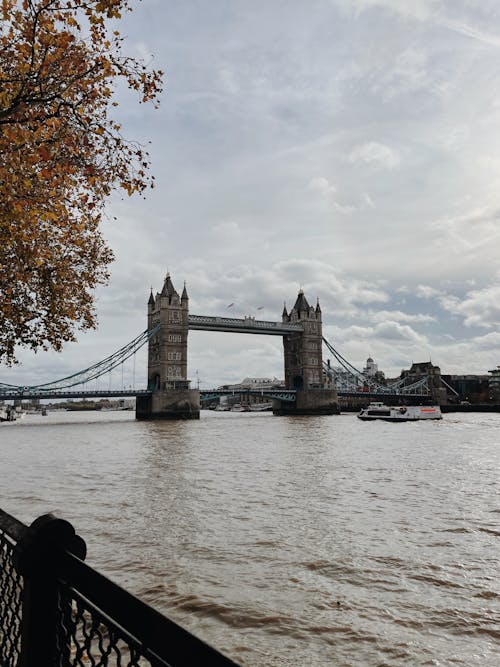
(151, 300)
(318, 309)
(285, 317)
(184, 296)
(301, 304)
(168, 287)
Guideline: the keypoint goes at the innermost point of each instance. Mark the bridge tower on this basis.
(304, 362)
(303, 350)
(167, 352)
(171, 396)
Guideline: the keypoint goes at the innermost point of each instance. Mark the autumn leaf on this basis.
(44, 153)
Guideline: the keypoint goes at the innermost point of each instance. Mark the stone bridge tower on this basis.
(304, 363)
(167, 352)
(167, 358)
(303, 350)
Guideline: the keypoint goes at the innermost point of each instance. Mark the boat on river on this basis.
(261, 407)
(399, 413)
(9, 413)
(84, 406)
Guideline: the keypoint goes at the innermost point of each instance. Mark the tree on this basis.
(61, 155)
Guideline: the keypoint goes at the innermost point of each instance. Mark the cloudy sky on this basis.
(348, 147)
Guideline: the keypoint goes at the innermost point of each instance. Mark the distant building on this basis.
(494, 385)
(469, 388)
(256, 383)
(371, 368)
(426, 369)
(240, 389)
(329, 375)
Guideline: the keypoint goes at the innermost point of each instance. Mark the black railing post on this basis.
(37, 558)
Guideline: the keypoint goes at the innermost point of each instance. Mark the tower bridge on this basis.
(311, 386)
(169, 322)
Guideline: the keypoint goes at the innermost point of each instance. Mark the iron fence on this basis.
(56, 611)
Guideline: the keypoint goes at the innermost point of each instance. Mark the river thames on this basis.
(283, 540)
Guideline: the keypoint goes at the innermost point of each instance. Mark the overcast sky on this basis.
(348, 147)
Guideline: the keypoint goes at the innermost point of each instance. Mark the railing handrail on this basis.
(48, 559)
(12, 527)
(154, 630)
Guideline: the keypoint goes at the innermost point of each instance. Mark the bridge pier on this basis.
(169, 404)
(309, 402)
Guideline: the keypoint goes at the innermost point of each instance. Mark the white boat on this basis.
(19, 412)
(237, 407)
(260, 407)
(9, 413)
(399, 413)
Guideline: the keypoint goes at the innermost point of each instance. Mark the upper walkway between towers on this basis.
(242, 325)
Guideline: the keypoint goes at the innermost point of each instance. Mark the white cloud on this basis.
(408, 74)
(427, 292)
(367, 200)
(398, 316)
(327, 191)
(226, 229)
(375, 153)
(417, 9)
(320, 184)
(388, 332)
(478, 307)
(486, 38)
(395, 331)
(490, 341)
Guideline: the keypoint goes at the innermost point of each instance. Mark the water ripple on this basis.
(310, 541)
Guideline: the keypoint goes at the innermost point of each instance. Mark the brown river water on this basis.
(280, 540)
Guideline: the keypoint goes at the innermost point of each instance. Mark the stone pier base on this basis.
(309, 402)
(169, 404)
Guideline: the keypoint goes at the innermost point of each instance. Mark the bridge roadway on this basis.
(205, 394)
(29, 394)
(381, 396)
(280, 394)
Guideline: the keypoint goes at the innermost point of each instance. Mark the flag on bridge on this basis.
(260, 307)
(230, 305)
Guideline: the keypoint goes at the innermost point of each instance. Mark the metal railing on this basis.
(57, 611)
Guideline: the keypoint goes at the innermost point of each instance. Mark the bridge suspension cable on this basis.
(355, 376)
(96, 370)
(353, 371)
(4, 385)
